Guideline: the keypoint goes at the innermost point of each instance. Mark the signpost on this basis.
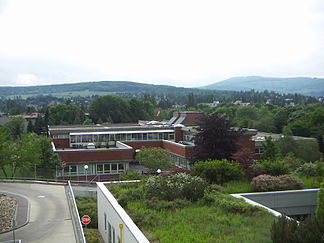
(85, 220)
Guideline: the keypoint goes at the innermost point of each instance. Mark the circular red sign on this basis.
(85, 219)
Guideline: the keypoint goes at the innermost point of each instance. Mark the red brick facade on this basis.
(93, 155)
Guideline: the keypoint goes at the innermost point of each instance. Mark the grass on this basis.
(199, 222)
(241, 186)
(310, 181)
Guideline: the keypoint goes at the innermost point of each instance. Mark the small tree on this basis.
(216, 139)
(270, 150)
(155, 158)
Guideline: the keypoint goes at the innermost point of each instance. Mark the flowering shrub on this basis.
(177, 186)
(308, 169)
(263, 183)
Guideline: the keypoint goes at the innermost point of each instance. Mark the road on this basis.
(49, 216)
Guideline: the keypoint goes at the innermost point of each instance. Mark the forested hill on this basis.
(90, 88)
(299, 85)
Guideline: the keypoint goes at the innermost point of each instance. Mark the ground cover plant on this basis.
(213, 216)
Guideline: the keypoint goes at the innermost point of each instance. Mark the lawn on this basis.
(195, 221)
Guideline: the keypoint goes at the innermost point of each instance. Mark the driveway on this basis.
(49, 216)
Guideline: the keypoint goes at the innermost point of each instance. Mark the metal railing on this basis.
(77, 226)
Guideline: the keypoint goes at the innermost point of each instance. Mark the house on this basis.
(103, 152)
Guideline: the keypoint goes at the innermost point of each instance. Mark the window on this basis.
(155, 136)
(145, 136)
(121, 167)
(73, 169)
(105, 218)
(100, 169)
(106, 168)
(171, 136)
(114, 168)
(109, 232)
(73, 139)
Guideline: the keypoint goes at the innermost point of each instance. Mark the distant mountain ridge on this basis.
(90, 87)
(300, 85)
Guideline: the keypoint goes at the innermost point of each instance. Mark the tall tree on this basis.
(17, 126)
(4, 150)
(216, 139)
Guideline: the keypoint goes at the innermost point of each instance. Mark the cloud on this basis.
(26, 79)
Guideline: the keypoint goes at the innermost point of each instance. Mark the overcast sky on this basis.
(182, 43)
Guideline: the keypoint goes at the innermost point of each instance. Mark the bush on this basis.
(308, 169)
(218, 171)
(263, 183)
(177, 186)
(88, 206)
(308, 231)
(274, 168)
(320, 203)
(228, 203)
(131, 175)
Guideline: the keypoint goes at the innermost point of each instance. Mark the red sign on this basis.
(85, 219)
(63, 164)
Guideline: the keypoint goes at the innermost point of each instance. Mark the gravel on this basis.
(8, 206)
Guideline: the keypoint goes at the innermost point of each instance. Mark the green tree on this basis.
(17, 126)
(320, 203)
(270, 150)
(48, 159)
(25, 152)
(108, 108)
(5, 145)
(155, 158)
(63, 114)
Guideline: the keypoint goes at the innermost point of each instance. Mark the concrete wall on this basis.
(297, 202)
(113, 222)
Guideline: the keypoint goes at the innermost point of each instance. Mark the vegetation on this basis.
(263, 183)
(215, 139)
(225, 219)
(218, 171)
(155, 158)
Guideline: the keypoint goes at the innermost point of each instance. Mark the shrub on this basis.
(88, 206)
(228, 203)
(308, 231)
(131, 175)
(218, 171)
(177, 186)
(264, 183)
(273, 168)
(308, 169)
(320, 203)
(283, 230)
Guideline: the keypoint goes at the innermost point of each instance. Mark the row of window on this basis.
(104, 138)
(94, 169)
(180, 161)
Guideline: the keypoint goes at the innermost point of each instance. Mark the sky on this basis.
(175, 42)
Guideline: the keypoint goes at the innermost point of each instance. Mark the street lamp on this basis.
(158, 172)
(86, 172)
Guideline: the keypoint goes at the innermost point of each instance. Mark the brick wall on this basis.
(179, 149)
(87, 156)
(61, 143)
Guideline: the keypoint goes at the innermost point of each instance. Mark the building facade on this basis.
(99, 152)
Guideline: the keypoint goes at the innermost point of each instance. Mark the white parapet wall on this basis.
(114, 224)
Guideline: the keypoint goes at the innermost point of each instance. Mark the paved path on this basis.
(49, 215)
